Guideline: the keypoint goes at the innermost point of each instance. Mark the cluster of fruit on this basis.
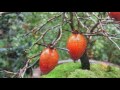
(76, 45)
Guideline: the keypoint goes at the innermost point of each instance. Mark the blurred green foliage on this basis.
(16, 25)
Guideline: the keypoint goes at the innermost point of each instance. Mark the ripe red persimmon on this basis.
(76, 45)
(115, 15)
(48, 60)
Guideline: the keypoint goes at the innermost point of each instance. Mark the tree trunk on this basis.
(85, 62)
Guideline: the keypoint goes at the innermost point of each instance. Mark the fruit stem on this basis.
(50, 46)
(71, 21)
(75, 32)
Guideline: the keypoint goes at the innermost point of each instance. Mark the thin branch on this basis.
(94, 27)
(62, 49)
(23, 70)
(114, 38)
(39, 28)
(34, 56)
(114, 43)
(71, 21)
(33, 64)
(7, 72)
(41, 37)
(90, 17)
(80, 23)
(96, 16)
(89, 34)
(58, 37)
(106, 35)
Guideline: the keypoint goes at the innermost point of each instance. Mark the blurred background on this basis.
(14, 39)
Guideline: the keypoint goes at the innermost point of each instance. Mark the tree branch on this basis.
(71, 21)
(40, 27)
